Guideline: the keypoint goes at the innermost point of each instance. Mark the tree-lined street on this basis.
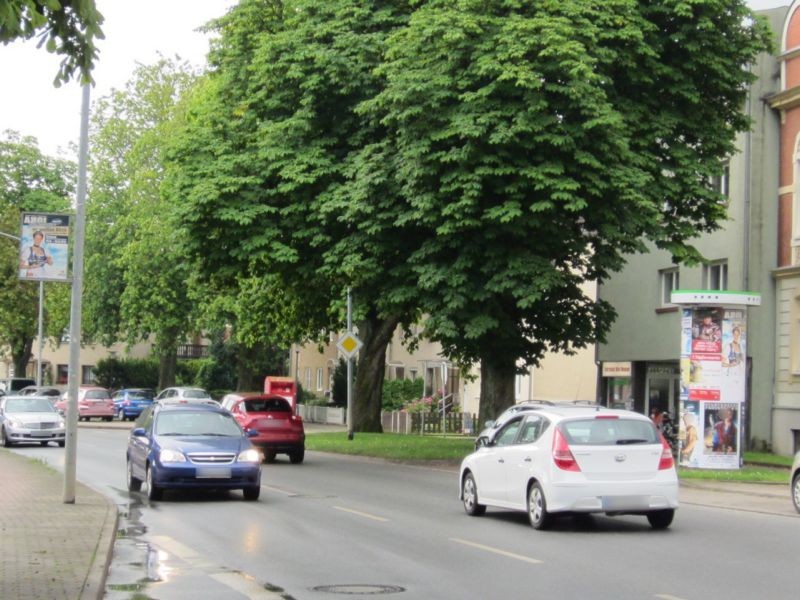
(351, 521)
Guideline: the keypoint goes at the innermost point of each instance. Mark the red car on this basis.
(92, 402)
(279, 429)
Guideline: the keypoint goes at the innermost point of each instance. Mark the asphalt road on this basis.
(338, 527)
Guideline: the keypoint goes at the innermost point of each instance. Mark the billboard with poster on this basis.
(44, 247)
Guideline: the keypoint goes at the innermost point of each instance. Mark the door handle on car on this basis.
(500, 460)
(527, 459)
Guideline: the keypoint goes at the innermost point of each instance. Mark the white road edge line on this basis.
(527, 559)
(361, 514)
(279, 490)
(668, 597)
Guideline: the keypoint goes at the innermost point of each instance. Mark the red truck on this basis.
(285, 387)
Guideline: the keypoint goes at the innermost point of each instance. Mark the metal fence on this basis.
(398, 421)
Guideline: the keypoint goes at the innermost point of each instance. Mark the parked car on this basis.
(31, 420)
(11, 385)
(280, 431)
(183, 395)
(41, 390)
(199, 446)
(130, 402)
(92, 402)
(573, 460)
(795, 479)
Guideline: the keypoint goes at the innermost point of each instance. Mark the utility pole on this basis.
(349, 369)
(71, 454)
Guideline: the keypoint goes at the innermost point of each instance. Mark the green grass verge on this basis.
(768, 468)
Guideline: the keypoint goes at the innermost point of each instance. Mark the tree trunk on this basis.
(497, 388)
(167, 363)
(21, 356)
(375, 333)
(247, 380)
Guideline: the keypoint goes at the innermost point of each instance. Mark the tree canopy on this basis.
(477, 161)
(66, 27)
(29, 181)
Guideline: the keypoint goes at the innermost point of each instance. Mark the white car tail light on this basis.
(666, 461)
(562, 455)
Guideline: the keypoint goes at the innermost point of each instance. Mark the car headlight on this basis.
(250, 455)
(167, 456)
(14, 423)
(60, 423)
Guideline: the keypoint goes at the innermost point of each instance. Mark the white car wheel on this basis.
(796, 491)
(537, 508)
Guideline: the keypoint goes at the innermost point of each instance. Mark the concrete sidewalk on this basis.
(50, 549)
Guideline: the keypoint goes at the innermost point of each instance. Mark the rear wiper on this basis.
(631, 441)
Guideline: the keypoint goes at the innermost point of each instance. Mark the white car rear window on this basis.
(609, 432)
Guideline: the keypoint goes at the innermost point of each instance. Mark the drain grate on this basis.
(359, 589)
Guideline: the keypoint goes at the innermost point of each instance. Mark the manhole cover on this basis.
(359, 589)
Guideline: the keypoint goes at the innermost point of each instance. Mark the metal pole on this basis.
(350, 418)
(71, 453)
(41, 334)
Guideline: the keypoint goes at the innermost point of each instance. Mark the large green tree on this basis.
(29, 181)
(66, 27)
(137, 274)
(275, 174)
(541, 142)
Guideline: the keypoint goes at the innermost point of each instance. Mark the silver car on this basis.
(31, 420)
(795, 479)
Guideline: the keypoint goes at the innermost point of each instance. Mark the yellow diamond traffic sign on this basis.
(349, 345)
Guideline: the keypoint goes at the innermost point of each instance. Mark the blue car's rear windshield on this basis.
(182, 422)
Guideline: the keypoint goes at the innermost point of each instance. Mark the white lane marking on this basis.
(361, 514)
(240, 582)
(668, 597)
(245, 585)
(527, 559)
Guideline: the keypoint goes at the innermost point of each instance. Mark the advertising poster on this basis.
(713, 372)
(44, 247)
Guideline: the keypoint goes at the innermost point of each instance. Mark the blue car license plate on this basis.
(213, 473)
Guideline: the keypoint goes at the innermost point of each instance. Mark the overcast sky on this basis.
(136, 31)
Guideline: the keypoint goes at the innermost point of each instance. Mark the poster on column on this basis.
(713, 351)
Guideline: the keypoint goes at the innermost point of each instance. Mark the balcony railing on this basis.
(192, 351)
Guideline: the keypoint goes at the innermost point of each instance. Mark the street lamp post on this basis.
(41, 318)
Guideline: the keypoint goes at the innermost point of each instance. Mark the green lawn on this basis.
(759, 467)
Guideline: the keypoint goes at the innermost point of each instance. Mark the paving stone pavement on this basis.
(51, 550)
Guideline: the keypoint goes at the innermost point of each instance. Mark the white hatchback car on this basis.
(573, 459)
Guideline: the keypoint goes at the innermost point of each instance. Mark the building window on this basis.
(518, 387)
(320, 380)
(308, 378)
(670, 281)
(62, 374)
(87, 375)
(794, 346)
(412, 373)
(715, 276)
(721, 183)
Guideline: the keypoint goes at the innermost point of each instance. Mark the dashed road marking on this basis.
(527, 559)
(361, 514)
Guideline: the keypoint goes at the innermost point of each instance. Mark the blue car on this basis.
(129, 403)
(191, 446)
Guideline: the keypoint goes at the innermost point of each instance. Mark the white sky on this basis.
(135, 31)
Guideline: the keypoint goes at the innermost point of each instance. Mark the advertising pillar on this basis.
(713, 376)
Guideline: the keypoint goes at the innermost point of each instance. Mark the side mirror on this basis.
(251, 433)
(138, 432)
(481, 442)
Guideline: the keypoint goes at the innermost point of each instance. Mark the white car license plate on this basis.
(213, 473)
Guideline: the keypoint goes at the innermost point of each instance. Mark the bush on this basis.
(116, 373)
(398, 392)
